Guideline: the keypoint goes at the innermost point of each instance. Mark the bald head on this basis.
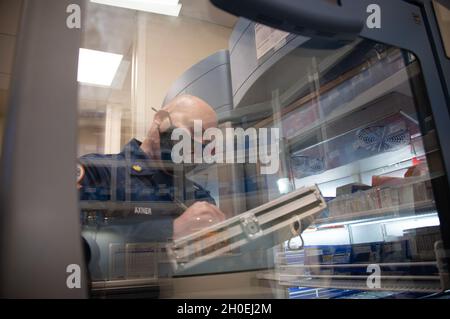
(181, 112)
(184, 109)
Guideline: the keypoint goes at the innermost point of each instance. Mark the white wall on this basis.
(173, 46)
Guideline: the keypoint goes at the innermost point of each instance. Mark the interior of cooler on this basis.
(361, 129)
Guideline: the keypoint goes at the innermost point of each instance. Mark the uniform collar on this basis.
(138, 162)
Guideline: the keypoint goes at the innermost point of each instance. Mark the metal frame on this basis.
(443, 62)
(405, 25)
(40, 224)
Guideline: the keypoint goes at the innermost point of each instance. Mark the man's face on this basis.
(191, 124)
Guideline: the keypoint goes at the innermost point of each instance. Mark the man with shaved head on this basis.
(134, 194)
(179, 113)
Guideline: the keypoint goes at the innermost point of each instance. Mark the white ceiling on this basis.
(104, 22)
(111, 29)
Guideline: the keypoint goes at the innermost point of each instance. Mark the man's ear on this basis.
(162, 120)
(165, 125)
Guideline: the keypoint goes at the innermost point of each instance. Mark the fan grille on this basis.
(377, 138)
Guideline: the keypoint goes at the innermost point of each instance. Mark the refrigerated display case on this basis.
(357, 122)
(362, 114)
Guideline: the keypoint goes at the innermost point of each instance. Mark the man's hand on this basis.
(196, 217)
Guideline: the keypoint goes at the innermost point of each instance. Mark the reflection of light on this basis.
(167, 7)
(431, 220)
(338, 234)
(284, 186)
(97, 67)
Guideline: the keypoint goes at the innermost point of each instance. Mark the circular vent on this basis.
(378, 139)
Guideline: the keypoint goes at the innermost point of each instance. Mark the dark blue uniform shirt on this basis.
(126, 191)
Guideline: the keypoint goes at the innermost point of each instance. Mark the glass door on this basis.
(364, 120)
